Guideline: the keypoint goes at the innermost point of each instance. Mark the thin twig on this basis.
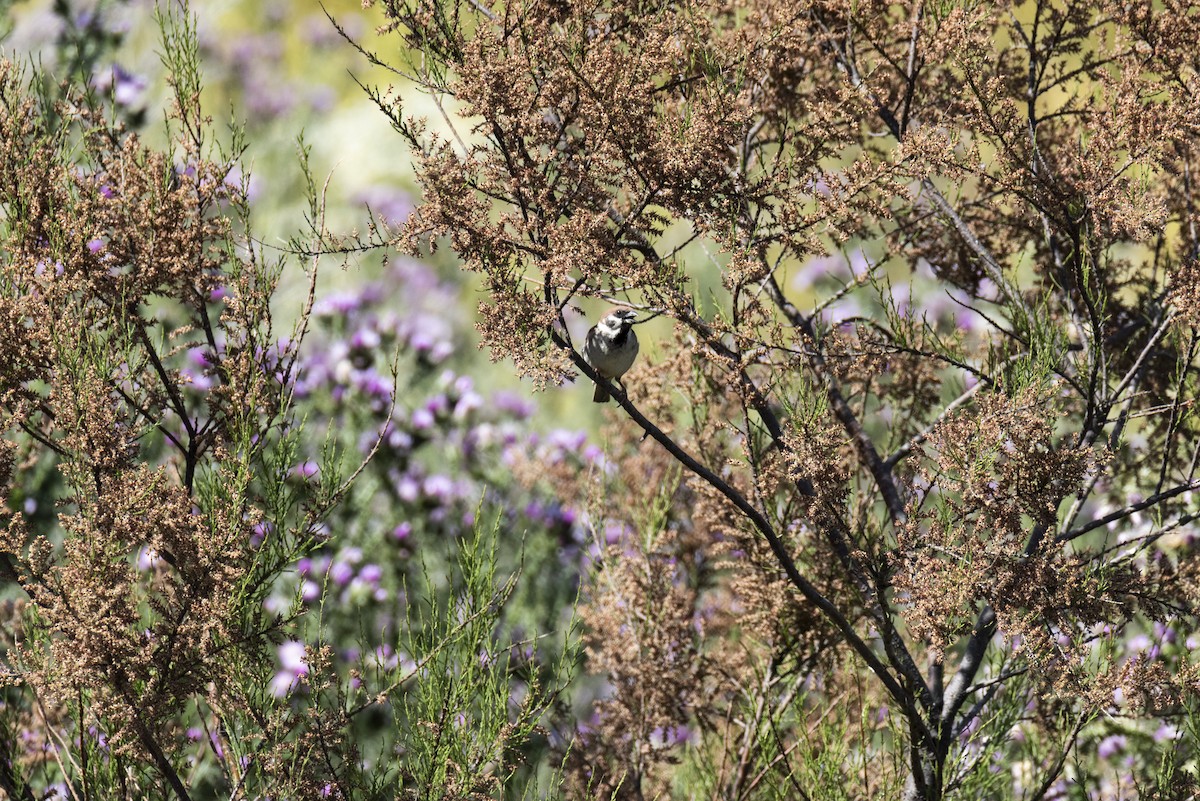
(1133, 508)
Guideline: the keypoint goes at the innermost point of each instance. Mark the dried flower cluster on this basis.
(995, 478)
(140, 382)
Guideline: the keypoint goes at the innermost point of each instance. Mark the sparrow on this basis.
(610, 347)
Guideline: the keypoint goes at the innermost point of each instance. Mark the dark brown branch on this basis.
(894, 646)
(1121, 514)
(880, 471)
(146, 738)
(968, 666)
(806, 588)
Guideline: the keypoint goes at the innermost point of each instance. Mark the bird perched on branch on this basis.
(610, 347)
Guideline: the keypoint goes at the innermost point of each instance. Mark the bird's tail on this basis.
(601, 394)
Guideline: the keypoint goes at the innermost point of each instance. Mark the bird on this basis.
(610, 348)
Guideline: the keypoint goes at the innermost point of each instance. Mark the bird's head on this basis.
(619, 318)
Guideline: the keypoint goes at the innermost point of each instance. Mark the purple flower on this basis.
(670, 736)
(371, 573)
(306, 470)
(815, 269)
(859, 264)
(434, 350)
(593, 454)
(95, 245)
(365, 339)
(398, 440)
(260, 533)
(128, 88)
(438, 405)
(839, 313)
(440, 488)
(374, 385)
(267, 96)
(900, 297)
(408, 489)
(147, 558)
(338, 304)
(402, 531)
(385, 658)
(1165, 732)
(389, 205)
(422, 419)
(292, 667)
(125, 87)
(1138, 644)
(98, 737)
(56, 792)
(316, 31)
(467, 403)
(39, 269)
(341, 573)
(1165, 633)
(614, 532)
(512, 404)
(572, 441)
(291, 657)
(969, 730)
(1111, 745)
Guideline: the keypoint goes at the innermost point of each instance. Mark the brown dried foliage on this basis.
(905, 489)
(109, 256)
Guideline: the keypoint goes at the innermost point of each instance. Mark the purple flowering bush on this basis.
(452, 507)
(376, 374)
